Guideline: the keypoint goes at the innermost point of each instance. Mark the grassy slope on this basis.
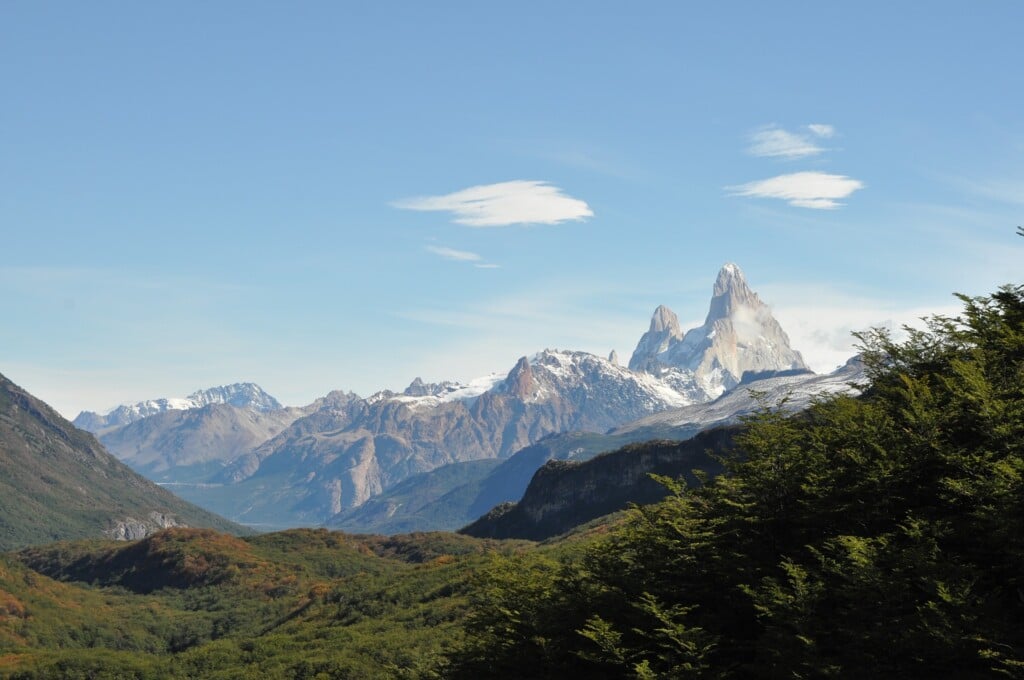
(57, 482)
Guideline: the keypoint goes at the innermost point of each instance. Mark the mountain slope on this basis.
(57, 482)
(183, 445)
(566, 494)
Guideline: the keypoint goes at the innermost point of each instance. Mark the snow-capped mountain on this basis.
(739, 335)
(343, 450)
(451, 497)
(329, 461)
(242, 395)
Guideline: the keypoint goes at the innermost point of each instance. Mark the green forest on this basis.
(879, 536)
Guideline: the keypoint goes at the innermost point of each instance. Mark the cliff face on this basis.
(565, 494)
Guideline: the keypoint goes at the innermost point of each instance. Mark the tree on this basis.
(879, 536)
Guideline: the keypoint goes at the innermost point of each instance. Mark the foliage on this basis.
(880, 536)
(189, 603)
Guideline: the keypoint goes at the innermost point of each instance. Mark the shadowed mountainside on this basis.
(57, 482)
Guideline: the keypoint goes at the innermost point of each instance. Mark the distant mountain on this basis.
(344, 451)
(188, 445)
(425, 503)
(57, 482)
(739, 335)
(241, 395)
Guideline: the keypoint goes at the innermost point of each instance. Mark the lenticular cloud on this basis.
(817, 190)
(504, 204)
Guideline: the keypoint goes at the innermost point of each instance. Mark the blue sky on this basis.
(316, 196)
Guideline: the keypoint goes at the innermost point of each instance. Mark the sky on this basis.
(317, 196)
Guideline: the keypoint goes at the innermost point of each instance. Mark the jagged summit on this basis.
(665, 320)
(242, 395)
(664, 330)
(739, 334)
(730, 293)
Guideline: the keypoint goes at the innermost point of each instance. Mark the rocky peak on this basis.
(665, 320)
(417, 388)
(730, 293)
(243, 395)
(613, 358)
(739, 334)
(663, 332)
(520, 381)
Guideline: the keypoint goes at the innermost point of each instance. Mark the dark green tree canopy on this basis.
(877, 536)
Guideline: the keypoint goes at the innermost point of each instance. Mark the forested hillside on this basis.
(873, 537)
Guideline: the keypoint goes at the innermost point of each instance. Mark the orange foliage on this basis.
(11, 606)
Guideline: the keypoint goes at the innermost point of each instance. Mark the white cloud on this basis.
(452, 254)
(505, 203)
(487, 265)
(822, 329)
(774, 142)
(817, 190)
(821, 130)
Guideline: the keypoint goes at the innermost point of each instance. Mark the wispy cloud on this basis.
(779, 143)
(775, 142)
(462, 256)
(817, 190)
(822, 130)
(453, 254)
(503, 204)
(1007, 190)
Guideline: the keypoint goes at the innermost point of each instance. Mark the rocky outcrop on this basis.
(129, 529)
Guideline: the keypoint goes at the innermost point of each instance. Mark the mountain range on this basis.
(386, 461)
(455, 495)
(242, 395)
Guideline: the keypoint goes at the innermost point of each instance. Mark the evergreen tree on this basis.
(878, 536)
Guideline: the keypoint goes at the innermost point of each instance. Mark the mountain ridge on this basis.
(57, 482)
(243, 395)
